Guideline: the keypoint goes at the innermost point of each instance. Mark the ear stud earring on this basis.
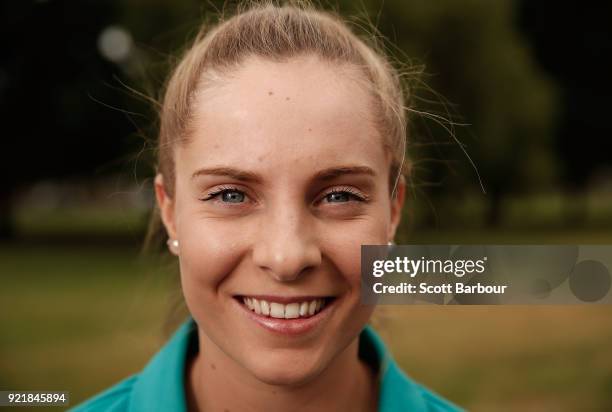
(390, 243)
(173, 245)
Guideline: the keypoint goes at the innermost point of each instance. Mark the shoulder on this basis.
(434, 402)
(397, 391)
(415, 395)
(114, 399)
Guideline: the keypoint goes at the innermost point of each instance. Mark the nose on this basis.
(286, 247)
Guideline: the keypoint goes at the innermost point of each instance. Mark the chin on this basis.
(285, 370)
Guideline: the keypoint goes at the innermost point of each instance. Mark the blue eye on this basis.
(228, 195)
(337, 197)
(343, 196)
(232, 196)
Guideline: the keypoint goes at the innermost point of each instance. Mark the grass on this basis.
(506, 358)
(82, 318)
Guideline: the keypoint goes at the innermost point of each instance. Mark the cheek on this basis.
(209, 251)
(342, 243)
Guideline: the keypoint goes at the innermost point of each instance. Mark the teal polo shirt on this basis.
(160, 385)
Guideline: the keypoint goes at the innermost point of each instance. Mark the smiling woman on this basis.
(281, 148)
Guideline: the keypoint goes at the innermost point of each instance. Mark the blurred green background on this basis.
(528, 161)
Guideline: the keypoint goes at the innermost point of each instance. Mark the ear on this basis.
(166, 206)
(397, 202)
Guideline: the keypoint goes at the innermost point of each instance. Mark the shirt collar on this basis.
(161, 384)
(396, 392)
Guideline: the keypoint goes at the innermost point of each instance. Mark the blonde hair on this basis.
(278, 33)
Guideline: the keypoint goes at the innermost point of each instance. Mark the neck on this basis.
(213, 380)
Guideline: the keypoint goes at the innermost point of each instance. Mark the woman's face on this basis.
(282, 180)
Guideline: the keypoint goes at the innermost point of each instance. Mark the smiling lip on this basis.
(288, 327)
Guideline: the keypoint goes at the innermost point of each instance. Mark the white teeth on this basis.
(311, 307)
(292, 311)
(265, 307)
(277, 310)
(256, 306)
(303, 308)
(289, 311)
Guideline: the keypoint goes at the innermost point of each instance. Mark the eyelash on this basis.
(220, 191)
(358, 196)
(355, 195)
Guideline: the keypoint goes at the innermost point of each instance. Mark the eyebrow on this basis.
(246, 176)
(237, 174)
(333, 172)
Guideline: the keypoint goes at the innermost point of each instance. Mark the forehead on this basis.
(282, 114)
